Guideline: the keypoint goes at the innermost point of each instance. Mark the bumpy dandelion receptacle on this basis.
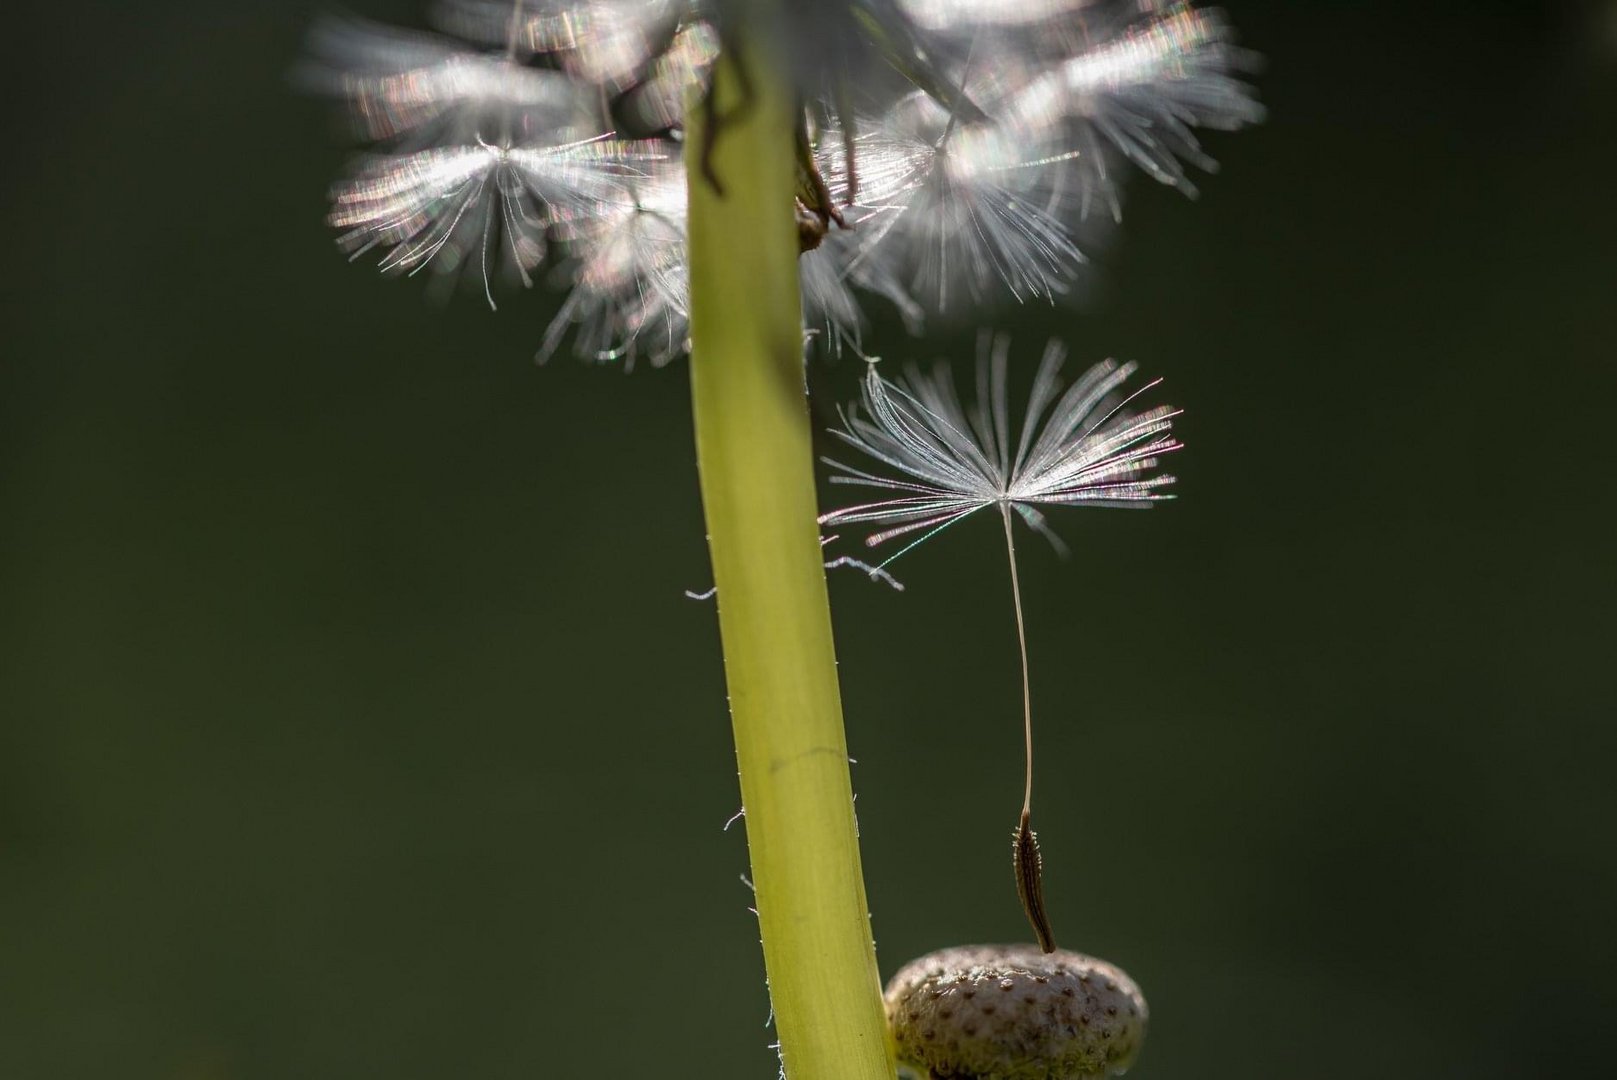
(1015, 1012)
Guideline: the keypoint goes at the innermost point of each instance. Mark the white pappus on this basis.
(1082, 446)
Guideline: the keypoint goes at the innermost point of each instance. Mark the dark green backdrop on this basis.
(355, 723)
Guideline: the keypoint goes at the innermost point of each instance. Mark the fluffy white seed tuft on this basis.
(1082, 445)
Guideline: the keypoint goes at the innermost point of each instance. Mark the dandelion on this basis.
(630, 289)
(938, 156)
(399, 83)
(830, 275)
(966, 208)
(603, 42)
(1082, 446)
(1143, 89)
(657, 103)
(955, 209)
(975, 182)
(950, 15)
(443, 206)
(830, 307)
(548, 138)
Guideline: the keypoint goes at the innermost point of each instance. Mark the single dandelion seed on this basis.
(446, 205)
(831, 273)
(605, 42)
(1142, 89)
(630, 286)
(956, 212)
(657, 103)
(943, 16)
(399, 82)
(1082, 446)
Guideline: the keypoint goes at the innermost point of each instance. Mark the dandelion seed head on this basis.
(962, 213)
(985, 181)
(1144, 88)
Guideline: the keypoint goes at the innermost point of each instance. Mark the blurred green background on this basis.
(355, 723)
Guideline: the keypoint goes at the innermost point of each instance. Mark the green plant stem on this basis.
(757, 469)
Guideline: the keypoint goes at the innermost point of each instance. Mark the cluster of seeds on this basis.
(538, 140)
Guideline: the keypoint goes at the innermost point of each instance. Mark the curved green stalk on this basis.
(752, 441)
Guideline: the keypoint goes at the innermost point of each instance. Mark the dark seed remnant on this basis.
(1028, 866)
